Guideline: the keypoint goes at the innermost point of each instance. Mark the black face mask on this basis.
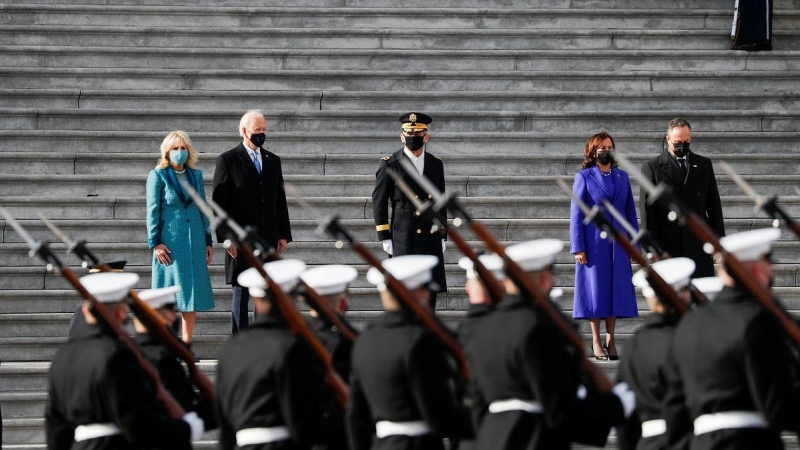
(415, 143)
(604, 158)
(681, 150)
(258, 139)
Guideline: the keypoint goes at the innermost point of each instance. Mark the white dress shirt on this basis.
(419, 161)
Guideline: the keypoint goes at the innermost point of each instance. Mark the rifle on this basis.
(43, 251)
(332, 226)
(769, 205)
(595, 215)
(251, 250)
(147, 315)
(686, 217)
(425, 209)
(516, 274)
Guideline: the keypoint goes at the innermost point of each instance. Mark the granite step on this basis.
(728, 144)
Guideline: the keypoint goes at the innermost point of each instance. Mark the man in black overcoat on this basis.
(248, 185)
(404, 232)
(691, 177)
(753, 30)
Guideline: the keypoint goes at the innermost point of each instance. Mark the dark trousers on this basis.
(756, 21)
(239, 309)
(432, 301)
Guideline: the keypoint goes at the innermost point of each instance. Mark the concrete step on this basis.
(349, 185)
(381, 18)
(421, 80)
(362, 164)
(730, 144)
(332, 100)
(540, 121)
(374, 38)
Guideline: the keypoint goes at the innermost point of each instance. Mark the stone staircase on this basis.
(87, 92)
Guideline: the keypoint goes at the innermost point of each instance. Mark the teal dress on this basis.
(174, 220)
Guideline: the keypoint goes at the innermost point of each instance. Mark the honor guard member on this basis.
(753, 30)
(98, 395)
(331, 282)
(405, 232)
(164, 360)
(528, 377)
(401, 387)
(269, 382)
(645, 361)
(737, 375)
(710, 287)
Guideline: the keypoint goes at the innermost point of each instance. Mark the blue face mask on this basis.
(178, 157)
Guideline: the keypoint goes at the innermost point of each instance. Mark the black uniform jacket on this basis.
(175, 378)
(333, 432)
(267, 377)
(732, 355)
(476, 313)
(699, 192)
(251, 199)
(95, 379)
(518, 354)
(400, 373)
(410, 234)
(644, 369)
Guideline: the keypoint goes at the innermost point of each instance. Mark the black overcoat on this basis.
(699, 192)
(251, 199)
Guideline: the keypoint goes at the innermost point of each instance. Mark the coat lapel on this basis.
(172, 180)
(246, 161)
(694, 170)
(595, 172)
(669, 166)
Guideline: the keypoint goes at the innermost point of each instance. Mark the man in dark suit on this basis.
(691, 178)
(752, 31)
(248, 185)
(410, 234)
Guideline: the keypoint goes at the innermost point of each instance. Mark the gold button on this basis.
(433, 231)
(418, 213)
(430, 195)
(416, 196)
(419, 231)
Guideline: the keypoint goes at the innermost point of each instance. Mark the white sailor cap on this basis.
(556, 293)
(675, 271)
(254, 282)
(709, 286)
(492, 262)
(750, 245)
(411, 270)
(109, 287)
(285, 272)
(159, 298)
(535, 255)
(329, 280)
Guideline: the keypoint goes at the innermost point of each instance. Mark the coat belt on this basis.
(252, 436)
(728, 420)
(414, 428)
(515, 404)
(655, 427)
(95, 430)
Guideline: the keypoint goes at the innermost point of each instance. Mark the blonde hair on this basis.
(167, 144)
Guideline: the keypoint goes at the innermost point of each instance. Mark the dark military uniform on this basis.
(754, 30)
(340, 348)
(644, 369)
(94, 379)
(267, 378)
(410, 234)
(175, 378)
(401, 374)
(466, 333)
(518, 354)
(732, 355)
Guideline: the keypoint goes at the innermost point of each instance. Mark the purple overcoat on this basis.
(603, 286)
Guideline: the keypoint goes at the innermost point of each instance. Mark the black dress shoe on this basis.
(600, 357)
(610, 356)
(755, 46)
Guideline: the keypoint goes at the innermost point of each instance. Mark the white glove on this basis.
(444, 246)
(196, 424)
(387, 246)
(626, 396)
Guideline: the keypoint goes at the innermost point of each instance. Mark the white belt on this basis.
(416, 428)
(252, 436)
(655, 427)
(729, 419)
(515, 404)
(95, 430)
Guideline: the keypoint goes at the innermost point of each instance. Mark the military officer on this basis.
(644, 363)
(524, 371)
(401, 394)
(164, 360)
(331, 282)
(405, 232)
(98, 395)
(269, 382)
(735, 375)
(753, 30)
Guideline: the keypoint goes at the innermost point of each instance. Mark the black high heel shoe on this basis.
(610, 356)
(599, 357)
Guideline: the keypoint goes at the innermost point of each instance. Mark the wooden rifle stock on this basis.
(299, 327)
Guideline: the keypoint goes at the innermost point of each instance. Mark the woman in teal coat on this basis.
(177, 231)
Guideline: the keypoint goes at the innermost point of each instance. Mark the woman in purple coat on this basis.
(603, 287)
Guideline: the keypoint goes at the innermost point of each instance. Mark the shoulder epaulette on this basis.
(437, 157)
(386, 158)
